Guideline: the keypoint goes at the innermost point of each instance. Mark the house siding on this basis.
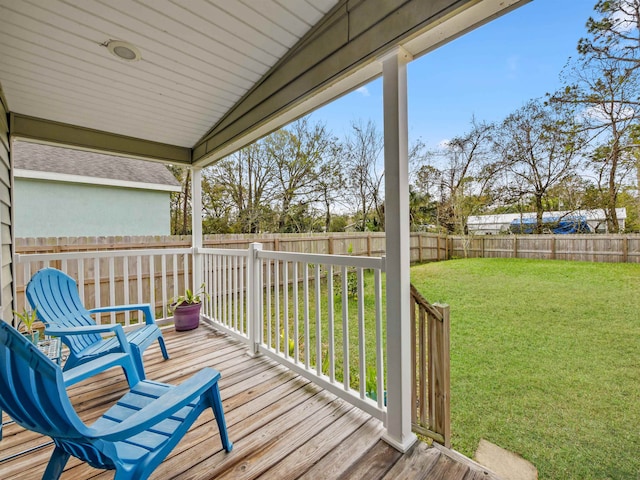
(6, 218)
(60, 209)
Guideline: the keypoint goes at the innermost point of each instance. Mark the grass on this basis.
(545, 361)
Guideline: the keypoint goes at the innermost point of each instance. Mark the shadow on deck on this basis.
(282, 426)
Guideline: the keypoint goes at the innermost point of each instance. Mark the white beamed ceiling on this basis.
(199, 57)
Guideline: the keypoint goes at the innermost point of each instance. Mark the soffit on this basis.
(199, 58)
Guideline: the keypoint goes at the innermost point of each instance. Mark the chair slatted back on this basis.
(32, 388)
(54, 295)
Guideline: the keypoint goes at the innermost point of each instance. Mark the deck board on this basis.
(282, 425)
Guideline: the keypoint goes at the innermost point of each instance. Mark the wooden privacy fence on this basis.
(424, 246)
(588, 248)
(430, 369)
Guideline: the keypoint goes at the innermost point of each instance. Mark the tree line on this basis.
(577, 148)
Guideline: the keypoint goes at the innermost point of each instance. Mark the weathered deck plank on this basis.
(334, 464)
(282, 425)
(374, 463)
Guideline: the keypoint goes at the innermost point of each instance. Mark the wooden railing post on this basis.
(254, 325)
(439, 374)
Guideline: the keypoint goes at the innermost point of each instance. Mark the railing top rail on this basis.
(324, 259)
(43, 257)
(420, 300)
(237, 252)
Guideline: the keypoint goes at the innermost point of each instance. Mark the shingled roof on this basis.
(46, 158)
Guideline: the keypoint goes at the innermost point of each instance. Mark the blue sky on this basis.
(489, 73)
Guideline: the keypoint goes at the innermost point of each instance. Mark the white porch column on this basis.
(254, 289)
(196, 225)
(394, 77)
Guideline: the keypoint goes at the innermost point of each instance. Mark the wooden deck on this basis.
(282, 426)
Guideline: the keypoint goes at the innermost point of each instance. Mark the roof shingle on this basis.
(46, 158)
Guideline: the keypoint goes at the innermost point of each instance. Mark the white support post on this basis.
(394, 74)
(196, 225)
(254, 286)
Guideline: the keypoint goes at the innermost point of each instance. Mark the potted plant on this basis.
(186, 309)
(27, 318)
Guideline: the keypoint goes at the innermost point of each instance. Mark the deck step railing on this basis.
(431, 385)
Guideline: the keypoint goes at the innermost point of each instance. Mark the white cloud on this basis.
(364, 91)
(444, 143)
(621, 112)
(624, 22)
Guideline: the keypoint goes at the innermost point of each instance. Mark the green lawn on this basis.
(545, 361)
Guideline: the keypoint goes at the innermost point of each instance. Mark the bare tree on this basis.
(180, 203)
(603, 87)
(464, 175)
(605, 94)
(331, 182)
(297, 154)
(247, 180)
(362, 148)
(540, 147)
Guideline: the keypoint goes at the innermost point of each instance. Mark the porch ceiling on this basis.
(214, 74)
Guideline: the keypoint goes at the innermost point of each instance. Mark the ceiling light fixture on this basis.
(123, 50)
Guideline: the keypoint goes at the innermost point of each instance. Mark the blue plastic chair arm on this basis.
(144, 307)
(83, 330)
(100, 364)
(161, 408)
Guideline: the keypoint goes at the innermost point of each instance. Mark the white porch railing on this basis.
(226, 278)
(309, 312)
(116, 277)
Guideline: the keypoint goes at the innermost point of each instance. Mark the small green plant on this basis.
(372, 382)
(189, 298)
(325, 360)
(27, 319)
(352, 284)
(292, 344)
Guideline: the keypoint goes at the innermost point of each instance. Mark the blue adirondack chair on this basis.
(54, 295)
(121, 358)
(133, 437)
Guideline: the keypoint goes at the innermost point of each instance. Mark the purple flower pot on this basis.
(187, 316)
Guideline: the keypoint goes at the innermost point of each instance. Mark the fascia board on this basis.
(111, 182)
